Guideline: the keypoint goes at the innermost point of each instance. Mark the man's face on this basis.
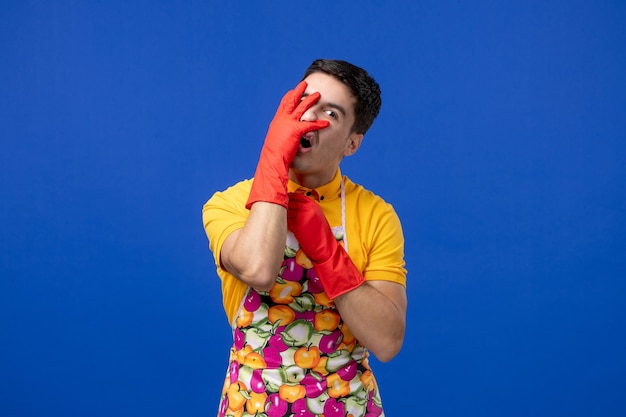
(321, 152)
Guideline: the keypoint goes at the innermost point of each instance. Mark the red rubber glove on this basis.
(281, 145)
(334, 267)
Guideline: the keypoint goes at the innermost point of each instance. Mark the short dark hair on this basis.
(361, 85)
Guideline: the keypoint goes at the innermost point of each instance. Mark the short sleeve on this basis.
(224, 213)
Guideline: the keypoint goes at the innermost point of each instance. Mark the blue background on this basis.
(501, 144)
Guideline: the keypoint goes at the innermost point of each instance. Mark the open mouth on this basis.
(305, 142)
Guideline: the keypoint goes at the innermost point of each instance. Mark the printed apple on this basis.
(323, 300)
(367, 380)
(291, 393)
(348, 372)
(256, 337)
(260, 315)
(348, 337)
(314, 284)
(291, 271)
(245, 375)
(374, 408)
(321, 366)
(299, 408)
(256, 403)
(282, 314)
(276, 340)
(288, 355)
(316, 404)
(356, 404)
(298, 333)
(255, 361)
(327, 320)
(337, 387)
(283, 292)
(337, 360)
(223, 407)
(252, 301)
(334, 408)
(329, 342)
(307, 357)
(240, 355)
(303, 260)
(314, 384)
(245, 317)
(355, 383)
(273, 378)
(275, 406)
(291, 245)
(233, 371)
(236, 400)
(294, 374)
(306, 315)
(305, 303)
(239, 339)
(256, 381)
(272, 357)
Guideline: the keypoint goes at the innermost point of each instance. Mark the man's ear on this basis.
(353, 143)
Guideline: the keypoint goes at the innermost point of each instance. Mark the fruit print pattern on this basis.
(292, 355)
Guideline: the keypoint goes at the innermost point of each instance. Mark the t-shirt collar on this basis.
(328, 191)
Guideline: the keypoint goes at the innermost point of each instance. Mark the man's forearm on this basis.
(254, 254)
(375, 312)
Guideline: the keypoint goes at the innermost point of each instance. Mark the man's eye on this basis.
(332, 113)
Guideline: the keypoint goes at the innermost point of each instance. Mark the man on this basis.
(312, 264)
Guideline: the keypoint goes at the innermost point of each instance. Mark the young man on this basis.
(312, 264)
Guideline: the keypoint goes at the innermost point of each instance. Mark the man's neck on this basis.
(310, 181)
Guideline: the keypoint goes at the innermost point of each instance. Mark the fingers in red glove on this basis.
(281, 145)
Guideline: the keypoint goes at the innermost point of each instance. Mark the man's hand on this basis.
(334, 267)
(281, 145)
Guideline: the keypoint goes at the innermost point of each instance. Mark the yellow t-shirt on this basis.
(374, 233)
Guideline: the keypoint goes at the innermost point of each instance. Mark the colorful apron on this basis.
(293, 355)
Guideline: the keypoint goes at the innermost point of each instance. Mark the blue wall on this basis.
(501, 144)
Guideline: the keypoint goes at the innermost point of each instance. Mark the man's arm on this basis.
(375, 312)
(254, 253)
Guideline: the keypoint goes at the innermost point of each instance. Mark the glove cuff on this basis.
(270, 183)
(338, 274)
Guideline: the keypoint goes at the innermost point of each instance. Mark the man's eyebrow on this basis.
(339, 107)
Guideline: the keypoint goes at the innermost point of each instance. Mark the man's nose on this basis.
(310, 115)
